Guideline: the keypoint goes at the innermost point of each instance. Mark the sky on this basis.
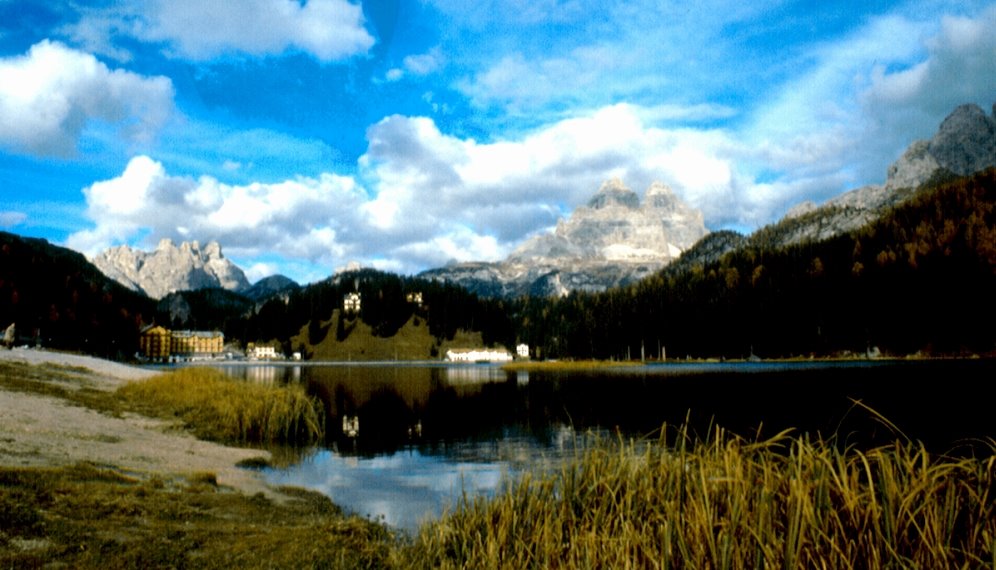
(305, 135)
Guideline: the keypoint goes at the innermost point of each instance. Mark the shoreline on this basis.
(39, 428)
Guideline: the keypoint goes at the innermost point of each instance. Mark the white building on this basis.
(522, 350)
(478, 355)
(258, 352)
(351, 303)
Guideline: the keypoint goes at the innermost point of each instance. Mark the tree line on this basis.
(920, 278)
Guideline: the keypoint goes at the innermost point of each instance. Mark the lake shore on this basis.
(40, 429)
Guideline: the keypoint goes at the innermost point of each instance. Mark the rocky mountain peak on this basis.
(966, 140)
(170, 268)
(611, 241)
(965, 143)
(614, 192)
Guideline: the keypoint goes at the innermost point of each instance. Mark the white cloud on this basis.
(329, 30)
(418, 65)
(425, 63)
(49, 96)
(9, 219)
(431, 184)
(259, 270)
(844, 119)
(432, 197)
(295, 219)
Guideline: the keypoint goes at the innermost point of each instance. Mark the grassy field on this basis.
(722, 502)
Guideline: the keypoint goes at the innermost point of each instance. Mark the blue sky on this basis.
(304, 135)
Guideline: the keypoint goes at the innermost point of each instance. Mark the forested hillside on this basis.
(385, 308)
(57, 299)
(920, 278)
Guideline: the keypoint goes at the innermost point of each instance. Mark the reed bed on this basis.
(724, 502)
(221, 408)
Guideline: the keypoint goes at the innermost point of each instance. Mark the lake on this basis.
(407, 439)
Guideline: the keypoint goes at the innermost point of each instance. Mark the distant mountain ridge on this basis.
(170, 268)
(965, 143)
(602, 246)
(613, 240)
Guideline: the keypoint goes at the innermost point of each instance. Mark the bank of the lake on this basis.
(422, 436)
(693, 498)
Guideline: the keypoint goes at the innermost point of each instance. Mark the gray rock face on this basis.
(611, 241)
(171, 268)
(965, 143)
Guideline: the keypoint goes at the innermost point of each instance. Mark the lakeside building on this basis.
(153, 343)
(260, 352)
(159, 343)
(478, 355)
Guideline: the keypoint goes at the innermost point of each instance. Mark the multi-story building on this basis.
(159, 343)
(153, 343)
(196, 343)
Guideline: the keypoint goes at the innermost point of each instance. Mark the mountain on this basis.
(965, 143)
(917, 279)
(171, 268)
(203, 309)
(58, 299)
(270, 287)
(613, 240)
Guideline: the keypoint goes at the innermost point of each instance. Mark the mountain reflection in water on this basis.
(405, 440)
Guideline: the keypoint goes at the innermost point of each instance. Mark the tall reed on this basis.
(218, 407)
(786, 502)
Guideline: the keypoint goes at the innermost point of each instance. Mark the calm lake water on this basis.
(405, 440)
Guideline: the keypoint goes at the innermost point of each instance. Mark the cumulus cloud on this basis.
(430, 183)
(418, 65)
(329, 30)
(427, 197)
(296, 219)
(49, 96)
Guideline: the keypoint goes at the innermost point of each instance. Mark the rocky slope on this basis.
(613, 240)
(965, 143)
(171, 268)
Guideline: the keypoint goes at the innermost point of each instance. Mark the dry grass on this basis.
(87, 516)
(727, 503)
(221, 408)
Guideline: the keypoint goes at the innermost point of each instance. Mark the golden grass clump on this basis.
(221, 408)
(727, 503)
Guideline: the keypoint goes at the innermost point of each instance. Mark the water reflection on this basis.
(406, 487)
(405, 440)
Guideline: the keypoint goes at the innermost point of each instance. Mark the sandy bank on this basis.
(38, 430)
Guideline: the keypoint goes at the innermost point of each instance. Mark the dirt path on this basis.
(38, 430)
